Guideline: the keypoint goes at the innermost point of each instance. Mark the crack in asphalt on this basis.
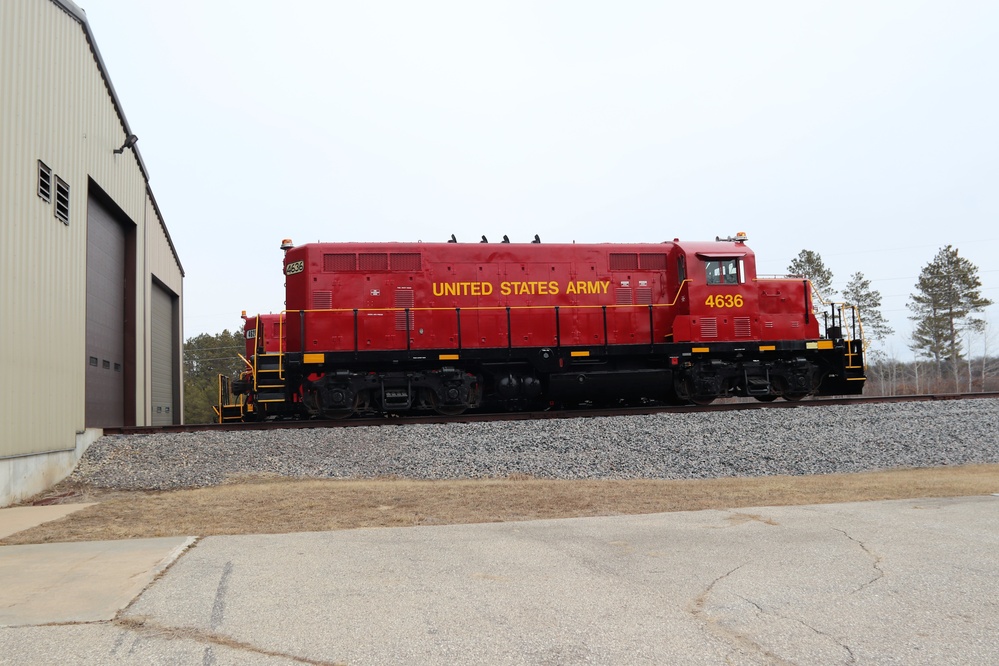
(147, 628)
(737, 639)
(876, 560)
(846, 648)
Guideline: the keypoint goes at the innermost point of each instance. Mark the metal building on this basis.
(91, 292)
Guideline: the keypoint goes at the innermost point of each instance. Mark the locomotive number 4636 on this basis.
(294, 267)
(724, 301)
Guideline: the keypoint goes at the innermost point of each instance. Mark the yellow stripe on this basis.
(811, 345)
(856, 379)
(701, 350)
(768, 347)
(825, 344)
(580, 353)
(448, 357)
(313, 358)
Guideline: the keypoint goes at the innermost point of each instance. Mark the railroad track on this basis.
(480, 417)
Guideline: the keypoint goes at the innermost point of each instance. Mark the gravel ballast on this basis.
(759, 442)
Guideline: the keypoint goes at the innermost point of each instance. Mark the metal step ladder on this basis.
(268, 378)
(227, 410)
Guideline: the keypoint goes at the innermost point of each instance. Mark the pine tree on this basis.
(948, 294)
(809, 265)
(859, 294)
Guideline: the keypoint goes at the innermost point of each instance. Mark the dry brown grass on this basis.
(271, 505)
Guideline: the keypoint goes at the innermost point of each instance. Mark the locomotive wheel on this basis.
(684, 389)
(445, 410)
(794, 397)
(765, 398)
(339, 413)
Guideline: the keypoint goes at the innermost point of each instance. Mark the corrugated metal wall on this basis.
(57, 108)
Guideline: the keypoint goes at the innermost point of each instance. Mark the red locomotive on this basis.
(453, 326)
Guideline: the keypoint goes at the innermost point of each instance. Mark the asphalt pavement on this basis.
(896, 582)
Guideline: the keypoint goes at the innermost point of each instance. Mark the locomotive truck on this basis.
(447, 327)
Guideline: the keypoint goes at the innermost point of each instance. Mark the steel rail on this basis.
(484, 417)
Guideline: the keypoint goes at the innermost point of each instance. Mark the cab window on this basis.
(722, 271)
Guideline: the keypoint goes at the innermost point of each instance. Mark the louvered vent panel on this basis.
(709, 327)
(322, 300)
(405, 261)
(743, 329)
(768, 324)
(44, 182)
(623, 262)
(652, 262)
(62, 200)
(339, 262)
(404, 299)
(643, 295)
(622, 296)
(375, 261)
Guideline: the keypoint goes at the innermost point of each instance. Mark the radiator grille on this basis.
(622, 296)
(339, 262)
(709, 327)
(374, 261)
(652, 262)
(623, 262)
(743, 329)
(404, 299)
(405, 261)
(322, 300)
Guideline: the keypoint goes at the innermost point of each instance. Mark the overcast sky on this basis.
(865, 131)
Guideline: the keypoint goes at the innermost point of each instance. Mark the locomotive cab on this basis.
(751, 336)
(720, 295)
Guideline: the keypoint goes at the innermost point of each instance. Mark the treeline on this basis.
(945, 307)
(205, 358)
(890, 376)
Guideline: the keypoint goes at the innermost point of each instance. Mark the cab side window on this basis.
(722, 271)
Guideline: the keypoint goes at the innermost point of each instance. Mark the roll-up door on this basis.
(163, 343)
(106, 254)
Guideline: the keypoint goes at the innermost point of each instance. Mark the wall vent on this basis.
(62, 200)
(44, 182)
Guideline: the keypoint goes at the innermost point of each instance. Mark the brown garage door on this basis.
(105, 317)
